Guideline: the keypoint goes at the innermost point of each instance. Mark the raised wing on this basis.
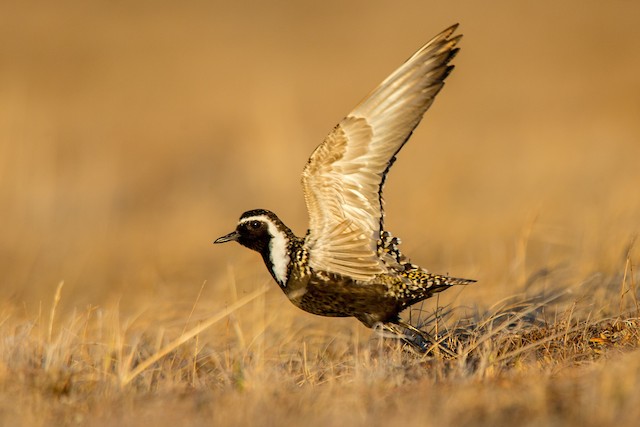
(344, 177)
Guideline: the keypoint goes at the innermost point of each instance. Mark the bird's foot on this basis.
(414, 338)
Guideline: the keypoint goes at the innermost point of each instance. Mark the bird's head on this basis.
(262, 231)
(255, 230)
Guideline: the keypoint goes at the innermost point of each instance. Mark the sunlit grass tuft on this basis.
(65, 368)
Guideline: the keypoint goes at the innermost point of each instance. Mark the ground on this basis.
(132, 134)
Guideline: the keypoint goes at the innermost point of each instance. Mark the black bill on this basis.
(233, 236)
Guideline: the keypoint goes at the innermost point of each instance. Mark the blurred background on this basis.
(133, 133)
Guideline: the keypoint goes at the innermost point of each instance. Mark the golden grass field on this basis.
(134, 133)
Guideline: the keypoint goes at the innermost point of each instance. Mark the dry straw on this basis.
(186, 336)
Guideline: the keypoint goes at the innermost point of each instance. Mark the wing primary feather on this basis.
(345, 175)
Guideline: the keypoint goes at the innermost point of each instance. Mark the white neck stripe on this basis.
(278, 250)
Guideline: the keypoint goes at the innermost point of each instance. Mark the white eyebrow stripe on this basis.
(278, 248)
(262, 218)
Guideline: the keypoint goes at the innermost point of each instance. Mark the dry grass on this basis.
(132, 134)
(513, 360)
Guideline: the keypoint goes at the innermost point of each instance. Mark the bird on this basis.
(347, 264)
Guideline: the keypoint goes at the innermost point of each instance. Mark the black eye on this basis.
(254, 225)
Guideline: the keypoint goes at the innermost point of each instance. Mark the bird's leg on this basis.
(397, 332)
(419, 340)
(394, 331)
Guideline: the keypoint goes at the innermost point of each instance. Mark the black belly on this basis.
(341, 297)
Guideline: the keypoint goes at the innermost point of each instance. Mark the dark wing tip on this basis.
(449, 30)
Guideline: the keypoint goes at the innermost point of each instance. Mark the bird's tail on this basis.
(437, 281)
(423, 285)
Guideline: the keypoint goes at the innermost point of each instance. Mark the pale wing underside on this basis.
(344, 177)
